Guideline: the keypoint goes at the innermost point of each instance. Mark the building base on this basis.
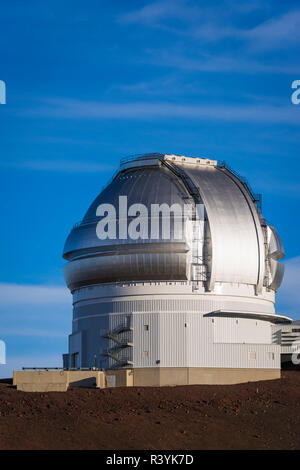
(61, 380)
(57, 380)
(159, 377)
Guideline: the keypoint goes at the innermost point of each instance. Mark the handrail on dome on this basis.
(256, 197)
(188, 183)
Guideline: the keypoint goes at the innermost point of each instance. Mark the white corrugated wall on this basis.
(187, 340)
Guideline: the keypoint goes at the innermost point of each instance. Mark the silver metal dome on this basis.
(235, 246)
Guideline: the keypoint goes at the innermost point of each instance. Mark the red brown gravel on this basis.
(257, 415)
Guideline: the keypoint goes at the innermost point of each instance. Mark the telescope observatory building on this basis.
(173, 272)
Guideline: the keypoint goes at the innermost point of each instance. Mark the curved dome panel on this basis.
(276, 272)
(92, 260)
(276, 250)
(122, 267)
(146, 186)
(153, 185)
(235, 241)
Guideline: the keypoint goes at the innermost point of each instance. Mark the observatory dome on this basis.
(173, 272)
(234, 233)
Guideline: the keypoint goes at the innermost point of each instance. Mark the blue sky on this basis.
(88, 83)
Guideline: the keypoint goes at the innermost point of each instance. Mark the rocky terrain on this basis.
(261, 415)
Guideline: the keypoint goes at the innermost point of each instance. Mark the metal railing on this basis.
(119, 364)
(187, 181)
(116, 349)
(113, 333)
(256, 197)
(60, 368)
(154, 282)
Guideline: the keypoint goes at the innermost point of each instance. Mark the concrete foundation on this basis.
(60, 381)
(57, 380)
(158, 377)
(119, 378)
(41, 380)
(83, 378)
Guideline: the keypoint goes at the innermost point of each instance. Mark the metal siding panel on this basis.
(233, 330)
(237, 356)
(168, 340)
(235, 250)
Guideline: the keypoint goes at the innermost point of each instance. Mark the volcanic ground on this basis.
(260, 415)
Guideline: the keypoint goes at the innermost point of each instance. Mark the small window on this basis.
(271, 356)
(252, 355)
(236, 321)
(146, 327)
(296, 330)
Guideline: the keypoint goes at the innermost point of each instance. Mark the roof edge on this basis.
(274, 318)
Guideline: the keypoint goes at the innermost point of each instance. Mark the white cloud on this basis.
(214, 23)
(34, 317)
(147, 14)
(216, 63)
(168, 85)
(19, 294)
(278, 32)
(273, 33)
(75, 109)
(154, 13)
(66, 166)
